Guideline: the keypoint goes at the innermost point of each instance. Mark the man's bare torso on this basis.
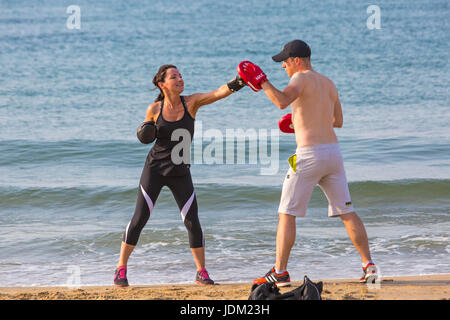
(313, 110)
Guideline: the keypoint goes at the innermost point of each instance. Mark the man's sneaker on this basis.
(120, 278)
(203, 278)
(370, 274)
(281, 280)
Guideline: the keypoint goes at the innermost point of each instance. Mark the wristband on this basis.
(236, 84)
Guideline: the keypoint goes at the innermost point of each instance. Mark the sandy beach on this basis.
(424, 287)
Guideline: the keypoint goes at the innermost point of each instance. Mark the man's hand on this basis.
(251, 74)
(285, 124)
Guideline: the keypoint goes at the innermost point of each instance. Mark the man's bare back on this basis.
(315, 111)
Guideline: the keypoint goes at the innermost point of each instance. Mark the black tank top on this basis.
(159, 157)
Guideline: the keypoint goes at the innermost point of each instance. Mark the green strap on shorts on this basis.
(293, 162)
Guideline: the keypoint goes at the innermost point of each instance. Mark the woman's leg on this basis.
(183, 192)
(125, 252)
(199, 257)
(149, 188)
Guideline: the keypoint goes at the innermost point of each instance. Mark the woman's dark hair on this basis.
(159, 77)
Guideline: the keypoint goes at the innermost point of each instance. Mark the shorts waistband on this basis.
(317, 147)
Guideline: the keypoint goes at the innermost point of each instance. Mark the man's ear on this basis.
(297, 60)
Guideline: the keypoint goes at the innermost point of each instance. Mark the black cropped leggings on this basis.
(182, 189)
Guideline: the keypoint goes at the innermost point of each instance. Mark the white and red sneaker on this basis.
(370, 273)
(281, 280)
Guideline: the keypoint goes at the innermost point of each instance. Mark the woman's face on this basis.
(173, 81)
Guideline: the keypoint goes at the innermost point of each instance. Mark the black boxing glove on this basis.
(146, 133)
(236, 84)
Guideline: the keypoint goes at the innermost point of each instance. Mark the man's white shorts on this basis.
(316, 165)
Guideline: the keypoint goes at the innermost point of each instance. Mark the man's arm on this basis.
(338, 118)
(282, 99)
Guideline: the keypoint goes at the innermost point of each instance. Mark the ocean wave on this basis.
(380, 150)
(406, 193)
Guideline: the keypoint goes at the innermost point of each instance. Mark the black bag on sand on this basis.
(307, 291)
(265, 291)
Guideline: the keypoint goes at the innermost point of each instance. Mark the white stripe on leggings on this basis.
(126, 232)
(147, 198)
(187, 206)
(150, 208)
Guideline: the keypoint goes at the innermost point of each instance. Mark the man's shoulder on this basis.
(325, 78)
(309, 75)
(298, 78)
(326, 81)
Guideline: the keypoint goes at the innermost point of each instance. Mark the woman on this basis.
(169, 112)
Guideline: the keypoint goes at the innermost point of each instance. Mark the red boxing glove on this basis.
(251, 74)
(286, 124)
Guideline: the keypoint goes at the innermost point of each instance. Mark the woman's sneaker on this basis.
(120, 278)
(203, 278)
(370, 274)
(281, 280)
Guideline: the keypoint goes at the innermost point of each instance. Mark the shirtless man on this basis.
(316, 111)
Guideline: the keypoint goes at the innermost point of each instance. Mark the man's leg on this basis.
(284, 243)
(285, 239)
(298, 186)
(357, 233)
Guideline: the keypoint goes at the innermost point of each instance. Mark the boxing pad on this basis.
(252, 75)
(285, 124)
(146, 133)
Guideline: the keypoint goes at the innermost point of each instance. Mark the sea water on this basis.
(73, 92)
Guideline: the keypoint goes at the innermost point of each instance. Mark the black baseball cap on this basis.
(295, 48)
